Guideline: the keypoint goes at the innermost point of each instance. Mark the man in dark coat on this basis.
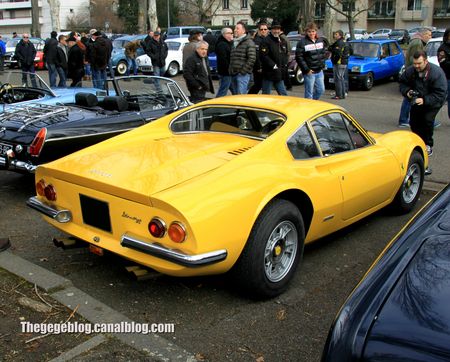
(263, 31)
(211, 40)
(25, 53)
(223, 51)
(50, 51)
(75, 62)
(340, 52)
(197, 74)
(273, 55)
(310, 55)
(61, 60)
(157, 51)
(99, 55)
(425, 85)
(444, 61)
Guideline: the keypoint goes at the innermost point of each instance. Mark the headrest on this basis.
(86, 99)
(116, 103)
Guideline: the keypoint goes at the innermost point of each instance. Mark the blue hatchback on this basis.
(118, 58)
(371, 60)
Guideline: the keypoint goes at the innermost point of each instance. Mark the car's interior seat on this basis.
(115, 103)
(86, 99)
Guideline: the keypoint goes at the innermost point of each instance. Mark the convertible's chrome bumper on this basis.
(15, 165)
(173, 255)
(61, 216)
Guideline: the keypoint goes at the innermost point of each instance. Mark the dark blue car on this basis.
(371, 60)
(400, 310)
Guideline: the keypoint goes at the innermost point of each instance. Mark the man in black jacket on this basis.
(61, 60)
(339, 57)
(99, 56)
(424, 84)
(75, 63)
(310, 55)
(223, 51)
(197, 74)
(274, 53)
(50, 50)
(157, 51)
(25, 53)
(263, 31)
(444, 61)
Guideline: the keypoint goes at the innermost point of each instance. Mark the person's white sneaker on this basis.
(429, 150)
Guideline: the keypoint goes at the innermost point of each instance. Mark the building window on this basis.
(12, 14)
(345, 5)
(244, 4)
(226, 22)
(414, 4)
(226, 4)
(384, 7)
(244, 21)
(319, 11)
(1, 14)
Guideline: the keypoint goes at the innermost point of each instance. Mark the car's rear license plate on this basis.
(4, 148)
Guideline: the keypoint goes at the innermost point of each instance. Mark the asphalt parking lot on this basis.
(212, 321)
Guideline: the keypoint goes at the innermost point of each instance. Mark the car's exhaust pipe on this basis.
(69, 243)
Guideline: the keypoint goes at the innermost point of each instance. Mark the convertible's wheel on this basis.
(273, 250)
(411, 186)
(122, 67)
(368, 82)
(173, 69)
(298, 78)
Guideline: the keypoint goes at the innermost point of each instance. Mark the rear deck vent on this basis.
(239, 151)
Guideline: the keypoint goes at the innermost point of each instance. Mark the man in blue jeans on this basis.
(310, 56)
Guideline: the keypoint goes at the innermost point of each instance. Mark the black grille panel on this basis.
(95, 213)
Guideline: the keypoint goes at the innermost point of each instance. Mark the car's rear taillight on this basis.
(157, 227)
(50, 192)
(40, 187)
(177, 232)
(38, 142)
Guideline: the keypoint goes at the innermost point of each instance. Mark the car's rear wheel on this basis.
(368, 82)
(173, 69)
(122, 67)
(411, 187)
(298, 78)
(273, 250)
(400, 72)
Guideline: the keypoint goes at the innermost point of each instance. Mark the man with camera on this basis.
(424, 84)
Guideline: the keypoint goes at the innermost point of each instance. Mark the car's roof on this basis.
(131, 37)
(377, 41)
(180, 40)
(434, 40)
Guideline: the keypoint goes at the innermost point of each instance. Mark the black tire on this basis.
(259, 270)
(173, 69)
(368, 82)
(411, 187)
(121, 67)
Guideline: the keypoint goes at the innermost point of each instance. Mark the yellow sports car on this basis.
(236, 183)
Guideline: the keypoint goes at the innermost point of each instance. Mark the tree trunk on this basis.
(306, 13)
(142, 18)
(35, 26)
(54, 14)
(152, 16)
(329, 23)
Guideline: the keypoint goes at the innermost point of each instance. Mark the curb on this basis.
(63, 291)
(433, 186)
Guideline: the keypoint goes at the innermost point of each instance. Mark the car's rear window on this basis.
(365, 49)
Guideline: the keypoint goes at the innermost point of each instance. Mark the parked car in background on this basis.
(169, 195)
(182, 31)
(432, 48)
(35, 133)
(438, 33)
(358, 34)
(11, 61)
(401, 35)
(380, 33)
(399, 311)
(174, 60)
(371, 60)
(416, 29)
(294, 71)
(118, 58)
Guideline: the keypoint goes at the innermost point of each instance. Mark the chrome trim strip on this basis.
(172, 255)
(49, 211)
(15, 165)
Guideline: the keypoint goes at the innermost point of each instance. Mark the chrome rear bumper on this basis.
(61, 216)
(172, 255)
(15, 165)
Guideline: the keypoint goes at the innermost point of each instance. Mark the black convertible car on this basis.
(400, 310)
(35, 133)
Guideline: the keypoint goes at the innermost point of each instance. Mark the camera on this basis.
(414, 95)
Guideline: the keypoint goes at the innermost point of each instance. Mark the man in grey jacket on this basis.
(242, 58)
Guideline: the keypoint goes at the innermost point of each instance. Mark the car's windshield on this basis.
(397, 32)
(432, 48)
(359, 31)
(15, 79)
(173, 45)
(119, 43)
(12, 42)
(240, 121)
(365, 49)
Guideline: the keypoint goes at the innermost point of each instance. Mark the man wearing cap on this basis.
(157, 51)
(75, 63)
(197, 73)
(99, 55)
(195, 35)
(14, 34)
(274, 54)
(25, 53)
(50, 52)
(242, 58)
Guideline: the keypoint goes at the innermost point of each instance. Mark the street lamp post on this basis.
(168, 14)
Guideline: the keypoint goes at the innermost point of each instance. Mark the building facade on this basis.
(229, 12)
(15, 15)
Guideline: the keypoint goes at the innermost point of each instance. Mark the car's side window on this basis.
(332, 134)
(358, 139)
(385, 50)
(394, 49)
(302, 145)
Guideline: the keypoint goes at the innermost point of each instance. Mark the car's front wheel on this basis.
(368, 82)
(273, 250)
(411, 187)
(122, 67)
(173, 69)
(298, 78)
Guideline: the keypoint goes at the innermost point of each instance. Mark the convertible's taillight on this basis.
(157, 227)
(40, 187)
(177, 232)
(50, 192)
(38, 142)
